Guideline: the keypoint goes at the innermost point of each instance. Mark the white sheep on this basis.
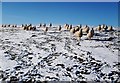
(45, 29)
(85, 29)
(90, 34)
(78, 34)
(98, 28)
(77, 28)
(44, 25)
(72, 30)
(70, 27)
(110, 28)
(102, 26)
(66, 26)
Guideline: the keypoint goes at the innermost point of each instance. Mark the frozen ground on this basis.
(58, 56)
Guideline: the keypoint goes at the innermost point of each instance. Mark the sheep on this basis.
(92, 31)
(30, 28)
(15, 25)
(30, 25)
(40, 25)
(70, 27)
(85, 29)
(8, 25)
(34, 28)
(25, 27)
(90, 34)
(98, 28)
(80, 26)
(66, 26)
(78, 34)
(59, 27)
(44, 25)
(77, 28)
(5, 25)
(105, 28)
(22, 25)
(2, 25)
(12, 25)
(102, 26)
(50, 24)
(110, 28)
(45, 29)
(72, 30)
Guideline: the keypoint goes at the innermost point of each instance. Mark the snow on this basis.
(5, 63)
(52, 53)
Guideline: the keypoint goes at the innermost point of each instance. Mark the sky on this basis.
(0, 13)
(60, 0)
(90, 13)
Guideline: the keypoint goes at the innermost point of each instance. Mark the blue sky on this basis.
(91, 13)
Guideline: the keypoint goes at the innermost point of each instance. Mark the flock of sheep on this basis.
(77, 31)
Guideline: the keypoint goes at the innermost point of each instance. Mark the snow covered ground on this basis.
(58, 56)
